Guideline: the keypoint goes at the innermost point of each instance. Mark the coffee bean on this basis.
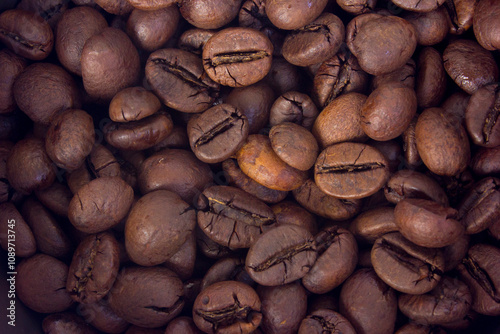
(372, 224)
(482, 114)
(291, 14)
(293, 107)
(325, 321)
(209, 14)
(485, 25)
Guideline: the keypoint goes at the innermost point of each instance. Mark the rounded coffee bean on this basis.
(66, 322)
(482, 116)
(431, 26)
(194, 40)
(288, 212)
(405, 75)
(351, 170)
(455, 252)
(51, 10)
(133, 104)
(227, 307)
(183, 261)
(461, 15)
(486, 28)
(325, 321)
(102, 317)
(26, 33)
(281, 255)
(94, 268)
(431, 78)
(40, 284)
(357, 7)
(209, 14)
(293, 14)
(405, 266)
(486, 161)
(226, 269)
(237, 56)
(217, 133)
(25, 241)
(293, 107)
(372, 224)
(100, 204)
(147, 296)
(157, 226)
(178, 79)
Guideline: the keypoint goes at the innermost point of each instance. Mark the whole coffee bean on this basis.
(226, 307)
(40, 284)
(66, 322)
(351, 170)
(157, 226)
(431, 78)
(237, 56)
(217, 133)
(461, 13)
(388, 111)
(133, 104)
(139, 135)
(39, 173)
(175, 170)
(480, 207)
(281, 255)
(293, 107)
(70, 138)
(42, 90)
(210, 248)
(469, 65)
(405, 75)
(94, 268)
(56, 198)
(485, 25)
(295, 145)
(226, 269)
(480, 271)
(26, 33)
(13, 222)
(51, 11)
(116, 7)
(441, 142)
(315, 42)
(311, 197)
(232, 217)
(337, 258)
(178, 79)
(412, 158)
(253, 15)
(482, 114)
(431, 26)
(146, 296)
(486, 161)
(288, 212)
(73, 29)
(290, 14)
(150, 30)
(110, 62)
(194, 40)
(151, 4)
(254, 102)
(102, 317)
(100, 204)
(325, 321)
(368, 303)
(357, 7)
(411, 184)
(405, 266)
(377, 57)
(11, 65)
(372, 224)
(182, 325)
(209, 14)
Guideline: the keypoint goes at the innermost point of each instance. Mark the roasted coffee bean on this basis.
(431, 26)
(119, 7)
(237, 56)
(26, 33)
(293, 14)
(94, 268)
(178, 79)
(157, 226)
(151, 4)
(431, 78)
(419, 6)
(226, 307)
(368, 303)
(281, 255)
(357, 7)
(405, 266)
(66, 322)
(288, 212)
(455, 252)
(460, 14)
(102, 317)
(210, 248)
(194, 40)
(182, 325)
(486, 161)
(232, 217)
(485, 25)
(283, 76)
(25, 240)
(147, 296)
(11, 65)
(412, 158)
(293, 107)
(133, 104)
(405, 75)
(372, 224)
(209, 14)
(50, 11)
(482, 116)
(183, 261)
(217, 133)
(351, 170)
(325, 321)
(253, 15)
(226, 269)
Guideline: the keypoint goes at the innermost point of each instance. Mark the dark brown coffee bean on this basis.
(39, 173)
(419, 6)
(357, 7)
(441, 142)
(388, 111)
(56, 198)
(257, 160)
(100, 204)
(431, 26)
(311, 197)
(42, 90)
(66, 322)
(209, 14)
(151, 4)
(237, 56)
(486, 161)
(372, 224)
(14, 224)
(412, 158)
(133, 104)
(226, 307)
(26, 33)
(232, 217)
(226, 269)
(288, 212)
(316, 42)
(150, 30)
(183, 261)
(460, 14)
(405, 75)
(73, 29)
(110, 62)
(480, 271)
(368, 303)
(147, 296)
(51, 10)
(11, 65)
(217, 133)
(253, 15)
(293, 107)
(40, 284)
(194, 40)
(325, 321)
(405, 266)
(455, 252)
(337, 258)
(102, 317)
(182, 325)
(283, 76)
(485, 25)
(292, 14)
(157, 226)
(178, 79)
(281, 255)
(94, 268)
(482, 116)
(427, 223)
(431, 78)
(116, 7)
(469, 65)
(351, 170)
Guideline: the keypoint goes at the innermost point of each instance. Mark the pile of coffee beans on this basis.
(252, 166)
